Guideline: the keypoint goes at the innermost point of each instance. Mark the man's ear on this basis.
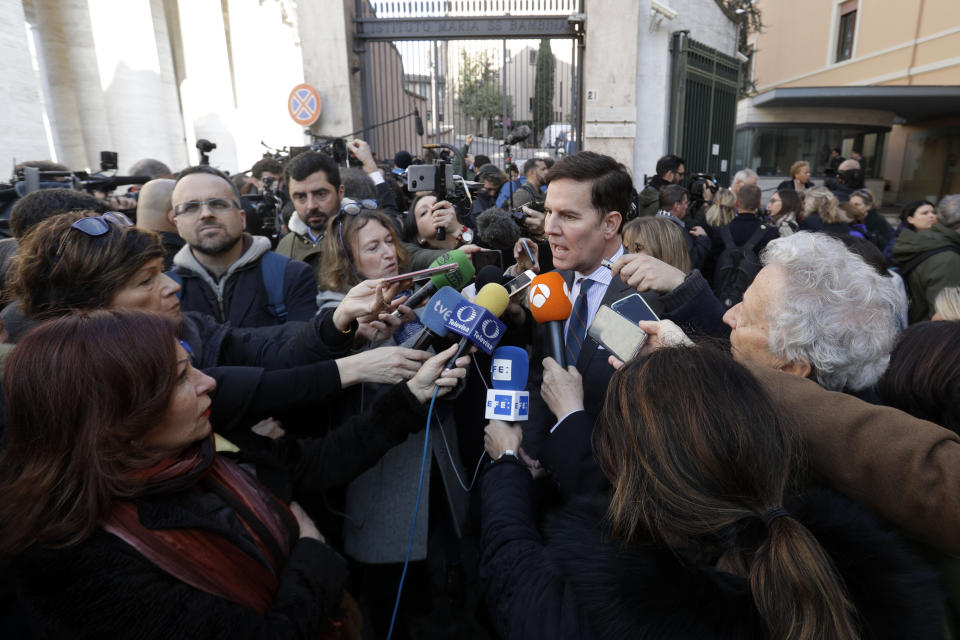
(340, 193)
(171, 217)
(610, 225)
(800, 368)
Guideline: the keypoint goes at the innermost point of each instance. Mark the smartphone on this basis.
(521, 282)
(486, 257)
(422, 274)
(618, 335)
(421, 177)
(634, 308)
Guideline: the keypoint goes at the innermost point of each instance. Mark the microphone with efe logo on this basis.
(508, 399)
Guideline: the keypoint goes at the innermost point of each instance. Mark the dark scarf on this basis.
(202, 559)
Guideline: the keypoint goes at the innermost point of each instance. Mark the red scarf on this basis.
(203, 559)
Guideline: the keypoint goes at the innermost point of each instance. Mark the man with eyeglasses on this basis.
(225, 272)
(670, 170)
(312, 181)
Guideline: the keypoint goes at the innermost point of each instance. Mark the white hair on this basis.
(836, 312)
(948, 211)
(743, 175)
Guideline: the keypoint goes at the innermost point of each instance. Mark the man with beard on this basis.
(670, 170)
(313, 184)
(226, 273)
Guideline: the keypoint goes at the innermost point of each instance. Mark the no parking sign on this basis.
(304, 105)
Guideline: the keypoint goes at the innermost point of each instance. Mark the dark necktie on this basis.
(577, 329)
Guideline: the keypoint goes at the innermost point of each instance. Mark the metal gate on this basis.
(703, 107)
(436, 71)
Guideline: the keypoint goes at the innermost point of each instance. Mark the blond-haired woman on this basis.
(799, 177)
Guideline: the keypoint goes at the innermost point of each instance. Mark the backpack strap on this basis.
(273, 267)
(915, 262)
(728, 242)
(755, 237)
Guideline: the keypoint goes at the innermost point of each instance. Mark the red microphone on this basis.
(549, 299)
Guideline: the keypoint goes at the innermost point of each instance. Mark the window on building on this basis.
(533, 57)
(845, 33)
(770, 150)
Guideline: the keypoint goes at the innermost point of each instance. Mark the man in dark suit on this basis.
(587, 197)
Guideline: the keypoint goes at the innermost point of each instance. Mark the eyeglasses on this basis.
(352, 208)
(94, 227)
(216, 205)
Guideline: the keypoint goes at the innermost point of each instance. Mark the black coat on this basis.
(103, 588)
(788, 184)
(245, 300)
(288, 345)
(572, 582)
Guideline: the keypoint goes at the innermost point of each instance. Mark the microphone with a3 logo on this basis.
(549, 300)
(478, 321)
(508, 399)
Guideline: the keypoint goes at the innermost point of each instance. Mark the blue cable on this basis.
(416, 509)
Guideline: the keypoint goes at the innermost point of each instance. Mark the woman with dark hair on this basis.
(923, 378)
(426, 216)
(707, 533)
(120, 519)
(928, 255)
(786, 210)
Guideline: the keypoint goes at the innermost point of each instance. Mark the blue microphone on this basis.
(508, 373)
(434, 317)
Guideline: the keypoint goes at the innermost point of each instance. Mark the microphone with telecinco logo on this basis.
(549, 299)
(508, 399)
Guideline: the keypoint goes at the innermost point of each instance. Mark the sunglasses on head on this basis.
(352, 208)
(95, 227)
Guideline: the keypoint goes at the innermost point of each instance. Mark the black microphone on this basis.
(441, 233)
(488, 274)
(416, 115)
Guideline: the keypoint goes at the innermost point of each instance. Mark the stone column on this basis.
(21, 118)
(206, 89)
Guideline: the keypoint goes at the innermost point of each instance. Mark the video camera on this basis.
(266, 207)
(519, 215)
(439, 179)
(28, 179)
(701, 182)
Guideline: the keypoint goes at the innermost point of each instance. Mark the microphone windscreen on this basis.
(457, 279)
(439, 307)
(490, 273)
(494, 298)
(497, 230)
(509, 368)
(549, 298)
